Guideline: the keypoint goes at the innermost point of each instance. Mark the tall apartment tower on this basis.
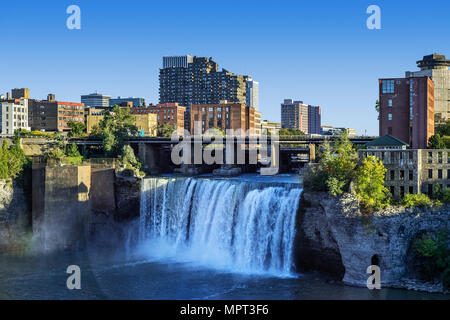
(407, 109)
(191, 80)
(23, 93)
(252, 94)
(300, 116)
(435, 66)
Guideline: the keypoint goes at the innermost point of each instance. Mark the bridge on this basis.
(155, 152)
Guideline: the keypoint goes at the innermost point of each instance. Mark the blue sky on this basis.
(319, 51)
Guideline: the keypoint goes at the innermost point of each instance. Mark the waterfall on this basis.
(234, 225)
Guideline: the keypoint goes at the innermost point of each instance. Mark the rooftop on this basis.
(386, 140)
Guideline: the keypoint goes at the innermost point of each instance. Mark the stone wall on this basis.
(333, 236)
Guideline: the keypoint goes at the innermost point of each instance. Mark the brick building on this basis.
(171, 113)
(300, 116)
(52, 115)
(407, 109)
(224, 115)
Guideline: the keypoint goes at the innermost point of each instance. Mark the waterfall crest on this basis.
(242, 226)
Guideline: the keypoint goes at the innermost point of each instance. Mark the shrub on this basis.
(72, 150)
(446, 195)
(434, 253)
(416, 200)
(315, 179)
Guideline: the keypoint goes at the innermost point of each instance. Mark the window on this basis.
(390, 116)
(430, 157)
(411, 189)
(388, 86)
(402, 174)
(411, 175)
(389, 102)
(211, 109)
(430, 173)
(440, 174)
(392, 174)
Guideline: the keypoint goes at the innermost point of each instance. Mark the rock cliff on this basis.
(334, 236)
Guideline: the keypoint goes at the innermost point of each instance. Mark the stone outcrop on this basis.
(14, 217)
(334, 236)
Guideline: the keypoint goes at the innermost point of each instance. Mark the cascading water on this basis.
(242, 226)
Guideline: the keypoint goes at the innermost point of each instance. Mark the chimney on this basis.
(51, 97)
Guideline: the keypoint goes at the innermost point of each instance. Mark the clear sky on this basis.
(318, 51)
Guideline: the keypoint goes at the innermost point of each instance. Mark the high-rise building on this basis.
(407, 109)
(95, 100)
(191, 80)
(300, 116)
(121, 101)
(13, 116)
(314, 120)
(224, 115)
(436, 67)
(23, 93)
(52, 115)
(252, 94)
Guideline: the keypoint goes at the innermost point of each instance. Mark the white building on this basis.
(95, 100)
(13, 116)
(435, 66)
(252, 94)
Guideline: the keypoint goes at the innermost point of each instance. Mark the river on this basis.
(199, 238)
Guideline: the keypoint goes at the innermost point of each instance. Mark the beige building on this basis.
(270, 126)
(410, 170)
(147, 123)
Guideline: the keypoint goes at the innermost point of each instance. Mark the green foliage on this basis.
(72, 150)
(443, 129)
(370, 188)
(290, 132)
(446, 195)
(165, 130)
(76, 129)
(446, 140)
(12, 160)
(113, 129)
(336, 168)
(416, 200)
(55, 154)
(436, 142)
(445, 279)
(432, 249)
(128, 158)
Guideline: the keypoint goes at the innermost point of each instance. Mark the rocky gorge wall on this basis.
(14, 217)
(333, 236)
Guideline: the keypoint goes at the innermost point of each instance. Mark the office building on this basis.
(13, 116)
(435, 66)
(407, 109)
(53, 115)
(95, 100)
(224, 115)
(252, 94)
(270, 127)
(300, 116)
(123, 101)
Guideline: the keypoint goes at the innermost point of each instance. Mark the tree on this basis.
(341, 165)
(72, 150)
(114, 129)
(166, 130)
(443, 129)
(370, 188)
(436, 142)
(377, 107)
(76, 129)
(290, 132)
